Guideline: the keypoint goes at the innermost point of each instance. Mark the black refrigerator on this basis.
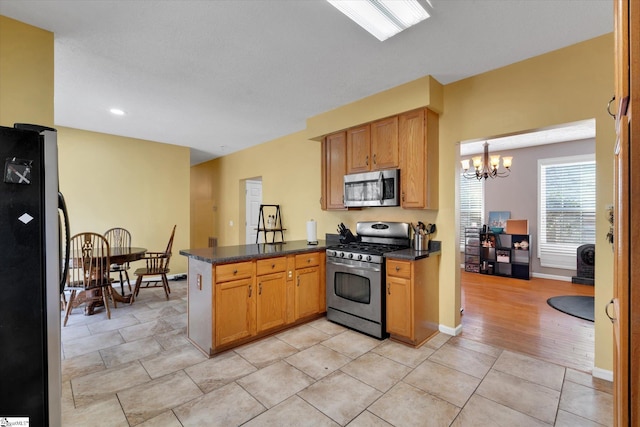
(31, 268)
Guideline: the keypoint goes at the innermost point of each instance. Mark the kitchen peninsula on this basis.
(238, 294)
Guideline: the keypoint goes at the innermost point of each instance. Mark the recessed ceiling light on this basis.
(117, 112)
(382, 18)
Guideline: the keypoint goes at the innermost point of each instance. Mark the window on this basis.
(566, 208)
(471, 204)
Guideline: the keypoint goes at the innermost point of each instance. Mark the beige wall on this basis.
(111, 181)
(107, 180)
(26, 74)
(567, 85)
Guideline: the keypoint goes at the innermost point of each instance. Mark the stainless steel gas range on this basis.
(356, 276)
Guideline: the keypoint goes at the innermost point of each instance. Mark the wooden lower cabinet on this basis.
(399, 313)
(271, 304)
(232, 304)
(412, 298)
(307, 292)
(307, 285)
(235, 307)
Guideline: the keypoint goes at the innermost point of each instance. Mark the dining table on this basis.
(122, 255)
(117, 255)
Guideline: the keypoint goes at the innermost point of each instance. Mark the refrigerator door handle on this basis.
(67, 241)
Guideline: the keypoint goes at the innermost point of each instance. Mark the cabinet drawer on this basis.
(472, 250)
(271, 265)
(239, 270)
(399, 268)
(307, 260)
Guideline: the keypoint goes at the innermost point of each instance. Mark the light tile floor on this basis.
(139, 369)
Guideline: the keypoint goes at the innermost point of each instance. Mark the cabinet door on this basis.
(271, 308)
(384, 144)
(307, 292)
(418, 134)
(413, 151)
(359, 149)
(334, 168)
(235, 305)
(399, 307)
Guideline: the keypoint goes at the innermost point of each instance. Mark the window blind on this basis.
(471, 204)
(567, 208)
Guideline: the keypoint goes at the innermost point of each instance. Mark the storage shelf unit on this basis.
(505, 255)
(274, 228)
(472, 249)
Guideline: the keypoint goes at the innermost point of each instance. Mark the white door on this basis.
(253, 196)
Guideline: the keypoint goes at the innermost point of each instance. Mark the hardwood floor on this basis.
(514, 314)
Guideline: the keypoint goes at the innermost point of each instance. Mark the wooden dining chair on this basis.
(157, 264)
(119, 237)
(88, 277)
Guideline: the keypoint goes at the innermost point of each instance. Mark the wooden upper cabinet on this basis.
(373, 146)
(359, 149)
(408, 141)
(418, 135)
(384, 144)
(334, 168)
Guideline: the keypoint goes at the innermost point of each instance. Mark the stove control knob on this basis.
(369, 258)
(359, 257)
(331, 253)
(341, 254)
(350, 255)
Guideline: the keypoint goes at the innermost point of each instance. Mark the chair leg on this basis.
(72, 298)
(165, 285)
(111, 291)
(128, 281)
(122, 283)
(105, 298)
(138, 283)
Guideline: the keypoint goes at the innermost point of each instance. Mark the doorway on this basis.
(253, 200)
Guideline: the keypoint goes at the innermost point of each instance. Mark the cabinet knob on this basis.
(298, 280)
(235, 271)
(260, 289)
(250, 290)
(388, 289)
(308, 260)
(366, 160)
(375, 162)
(273, 266)
(397, 268)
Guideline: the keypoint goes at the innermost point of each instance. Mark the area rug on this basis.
(574, 305)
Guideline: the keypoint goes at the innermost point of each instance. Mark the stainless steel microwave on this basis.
(379, 188)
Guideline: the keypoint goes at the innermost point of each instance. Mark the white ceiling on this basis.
(220, 76)
(576, 131)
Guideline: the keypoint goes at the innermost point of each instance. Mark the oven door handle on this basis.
(355, 267)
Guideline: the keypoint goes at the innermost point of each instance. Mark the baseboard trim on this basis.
(551, 276)
(603, 374)
(450, 331)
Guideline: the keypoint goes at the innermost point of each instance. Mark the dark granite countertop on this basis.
(227, 254)
(413, 255)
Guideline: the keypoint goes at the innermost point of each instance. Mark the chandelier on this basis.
(486, 166)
